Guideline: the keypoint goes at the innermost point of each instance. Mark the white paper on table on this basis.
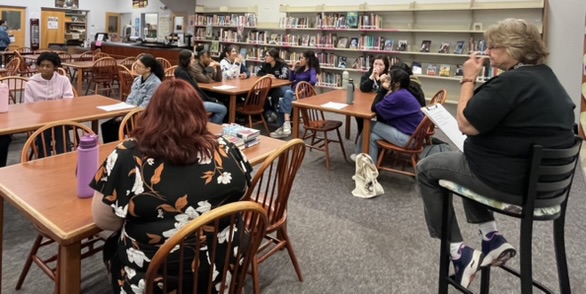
(447, 123)
(334, 105)
(117, 106)
(224, 87)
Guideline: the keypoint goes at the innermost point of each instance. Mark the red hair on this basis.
(174, 125)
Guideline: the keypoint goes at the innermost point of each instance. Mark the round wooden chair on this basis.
(125, 79)
(255, 102)
(203, 232)
(99, 55)
(129, 122)
(128, 62)
(170, 73)
(104, 73)
(16, 86)
(439, 98)
(13, 67)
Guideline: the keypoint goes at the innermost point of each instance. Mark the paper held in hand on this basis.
(447, 123)
(117, 106)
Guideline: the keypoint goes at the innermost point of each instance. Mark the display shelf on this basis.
(225, 9)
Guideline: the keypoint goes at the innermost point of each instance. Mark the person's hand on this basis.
(214, 64)
(473, 66)
(374, 76)
(239, 59)
(242, 75)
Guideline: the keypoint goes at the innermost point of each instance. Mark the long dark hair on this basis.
(156, 67)
(185, 57)
(226, 52)
(402, 77)
(414, 87)
(175, 129)
(200, 51)
(385, 61)
(312, 62)
(274, 53)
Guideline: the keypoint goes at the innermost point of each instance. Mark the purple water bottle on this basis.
(87, 164)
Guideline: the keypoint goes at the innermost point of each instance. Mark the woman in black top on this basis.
(277, 68)
(370, 81)
(210, 104)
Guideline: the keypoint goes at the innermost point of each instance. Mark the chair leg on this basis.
(560, 253)
(341, 144)
(485, 280)
(444, 269)
(327, 149)
(250, 121)
(283, 233)
(29, 261)
(526, 254)
(255, 276)
(264, 122)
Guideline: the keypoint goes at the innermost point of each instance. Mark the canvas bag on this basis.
(367, 186)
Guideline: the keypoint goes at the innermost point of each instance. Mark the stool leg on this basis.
(444, 269)
(560, 253)
(526, 254)
(485, 280)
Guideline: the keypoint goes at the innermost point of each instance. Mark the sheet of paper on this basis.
(334, 105)
(447, 123)
(224, 87)
(117, 106)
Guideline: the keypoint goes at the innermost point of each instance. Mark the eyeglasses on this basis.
(492, 47)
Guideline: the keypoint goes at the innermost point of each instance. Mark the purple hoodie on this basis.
(39, 89)
(401, 110)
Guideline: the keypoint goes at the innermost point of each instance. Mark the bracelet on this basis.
(468, 80)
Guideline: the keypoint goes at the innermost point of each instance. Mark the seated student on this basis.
(211, 104)
(398, 113)
(232, 64)
(306, 69)
(151, 73)
(414, 83)
(276, 68)
(152, 185)
(370, 81)
(205, 69)
(48, 85)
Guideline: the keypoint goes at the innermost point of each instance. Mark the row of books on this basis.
(350, 20)
(329, 79)
(246, 20)
(473, 45)
(241, 136)
(445, 70)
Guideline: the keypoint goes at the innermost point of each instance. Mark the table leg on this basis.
(80, 81)
(366, 136)
(69, 268)
(348, 122)
(232, 114)
(96, 126)
(1, 237)
(295, 122)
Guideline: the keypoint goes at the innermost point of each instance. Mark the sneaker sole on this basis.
(471, 269)
(499, 256)
(279, 136)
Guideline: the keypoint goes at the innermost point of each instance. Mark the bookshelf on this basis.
(378, 30)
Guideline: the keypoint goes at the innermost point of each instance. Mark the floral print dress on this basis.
(157, 199)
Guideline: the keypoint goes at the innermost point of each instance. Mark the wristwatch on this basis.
(468, 80)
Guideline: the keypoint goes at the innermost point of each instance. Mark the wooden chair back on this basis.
(24, 69)
(164, 62)
(170, 73)
(16, 85)
(416, 140)
(128, 123)
(42, 50)
(53, 139)
(86, 56)
(439, 98)
(104, 72)
(12, 47)
(99, 55)
(125, 78)
(128, 62)
(13, 67)
(219, 237)
(61, 71)
(257, 96)
(24, 50)
(304, 89)
(64, 56)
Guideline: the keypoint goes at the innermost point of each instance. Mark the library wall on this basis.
(565, 30)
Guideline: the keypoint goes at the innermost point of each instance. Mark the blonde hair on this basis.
(521, 39)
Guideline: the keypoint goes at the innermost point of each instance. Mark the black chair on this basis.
(549, 182)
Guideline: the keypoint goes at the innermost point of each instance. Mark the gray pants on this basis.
(451, 166)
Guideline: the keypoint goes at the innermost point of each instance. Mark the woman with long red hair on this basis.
(168, 173)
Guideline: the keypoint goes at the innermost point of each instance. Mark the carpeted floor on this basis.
(344, 244)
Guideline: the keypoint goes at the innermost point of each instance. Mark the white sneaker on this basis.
(280, 133)
(353, 157)
(287, 127)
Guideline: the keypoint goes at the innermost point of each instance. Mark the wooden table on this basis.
(48, 198)
(34, 57)
(31, 116)
(80, 66)
(360, 109)
(241, 86)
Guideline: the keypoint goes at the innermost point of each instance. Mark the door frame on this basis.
(119, 24)
(21, 39)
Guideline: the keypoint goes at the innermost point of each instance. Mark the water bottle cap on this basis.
(88, 141)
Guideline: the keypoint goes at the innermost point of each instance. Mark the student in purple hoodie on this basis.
(398, 113)
(306, 69)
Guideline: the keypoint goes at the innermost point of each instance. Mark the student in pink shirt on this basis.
(47, 84)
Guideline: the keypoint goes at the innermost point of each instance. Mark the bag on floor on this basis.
(367, 186)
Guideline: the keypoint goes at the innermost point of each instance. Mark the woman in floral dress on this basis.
(170, 172)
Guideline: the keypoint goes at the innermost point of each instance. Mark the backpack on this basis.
(366, 184)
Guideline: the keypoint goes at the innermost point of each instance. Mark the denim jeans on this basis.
(285, 105)
(452, 166)
(217, 109)
(385, 132)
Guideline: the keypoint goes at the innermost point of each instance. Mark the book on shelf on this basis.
(471, 45)
(416, 68)
(209, 31)
(444, 47)
(312, 41)
(431, 70)
(243, 52)
(342, 42)
(459, 70)
(459, 47)
(215, 47)
(305, 40)
(354, 43)
(444, 70)
(481, 46)
(342, 62)
(352, 20)
(425, 45)
(388, 45)
(402, 45)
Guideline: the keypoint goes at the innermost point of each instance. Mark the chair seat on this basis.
(507, 207)
(248, 111)
(323, 125)
(386, 145)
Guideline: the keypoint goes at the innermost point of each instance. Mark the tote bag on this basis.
(367, 186)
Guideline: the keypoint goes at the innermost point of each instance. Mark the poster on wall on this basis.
(140, 3)
(53, 23)
(137, 27)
